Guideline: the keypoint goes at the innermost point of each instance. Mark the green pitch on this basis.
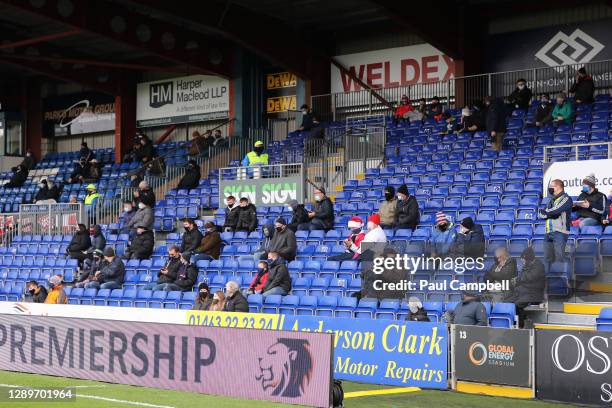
(92, 394)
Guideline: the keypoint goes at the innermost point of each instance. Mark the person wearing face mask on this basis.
(128, 212)
(259, 281)
(90, 267)
(167, 274)
(283, 242)
(521, 96)
(56, 294)
(299, 215)
(352, 244)
(191, 179)
(210, 245)
(29, 161)
(279, 281)
(591, 204)
(407, 214)
(495, 121)
(308, 119)
(98, 240)
(470, 122)
(528, 287)
(256, 157)
(443, 236)
(231, 214)
(191, 237)
(204, 300)
(563, 112)
(141, 245)
(543, 113)
(470, 241)
(143, 216)
(268, 231)
(387, 208)
(234, 299)
(36, 293)
(43, 192)
(186, 276)
(322, 215)
(247, 216)
(557, 216)
(584, 87)
(416, 311)
(502, 271)
(144, 194)
(111, 274)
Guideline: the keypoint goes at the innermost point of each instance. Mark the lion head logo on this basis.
(286, 368)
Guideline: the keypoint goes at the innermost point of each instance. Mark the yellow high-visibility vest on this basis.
(89, 199)
(254, 159)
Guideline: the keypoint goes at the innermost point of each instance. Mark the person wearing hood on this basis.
(521, 96)
(141, 245)
(79, 244)
(584, 87)
(322, 214)
(268, 231)
(591, 203)
(387, 208)
(43, 191)
(231, 214)
(299, 215)
(283, 242)
(407, 210)
(352, 244)
(247, 216)
(192, 176)
(19, 177)
(210, 245)
(56, 294)
(261, 278)
(90, 267)
(443, 236)
(529, 285)
(279, 281)
(470, 241)
(416, 312)
(204, 299)
(469, 311)
(192, 237)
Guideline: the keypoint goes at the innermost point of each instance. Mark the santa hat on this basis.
(375, 218)
(355, 222)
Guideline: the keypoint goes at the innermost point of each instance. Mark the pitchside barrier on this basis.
(286, 367)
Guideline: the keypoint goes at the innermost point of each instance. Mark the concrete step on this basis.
(585, 320)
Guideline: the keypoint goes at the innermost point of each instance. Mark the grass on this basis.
(180, 399)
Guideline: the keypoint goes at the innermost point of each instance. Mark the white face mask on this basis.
(304, 112)
(141, 205)
(290, 209)
(318, 197)
(521, 87)
(127, 209)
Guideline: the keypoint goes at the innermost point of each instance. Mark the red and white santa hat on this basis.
(355, 222)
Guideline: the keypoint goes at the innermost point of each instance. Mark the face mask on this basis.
(290, 209)
(443, 227)
(585, 189)
(521, 87)
(551, 191)
(388, 196)
(318, 197)
(127, 209)
(203, 293)
(32, 291)
(271, 262)
(400, 198)
(304, 112)
(141, 205)
(356, 230)
(261, 270)
(279, 229)
(209, 230)
(243, 205)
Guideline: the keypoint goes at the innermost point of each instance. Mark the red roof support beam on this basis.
(41, 39)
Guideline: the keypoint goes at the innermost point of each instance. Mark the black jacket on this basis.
(247, 218)
(231, 216)
(186, 276)
(435, 109)
(407, 213)
(29, 162)
(324, 211)
(506, 273)
(18, 178)
(236, 303)
(113, 271)
(520, 98)
(147, 197)
(86, 154)
(471, 313)
(542, 112)
(40, 296)
(98, 241)
(172, 265)
(530, 284)
(584, 89)
(419, 316)
(278, 276)
(300, 216)
(597, 205)
(141, 246)
(42, 194)
(79, 242)
(202, 304)
(495, 117)
(284, 243)
(191, 179)
(191, 240)
(471, 244)
(90, 267)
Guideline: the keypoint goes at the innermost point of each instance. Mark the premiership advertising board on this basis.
(265, 191)
(76, 114)
(284, 367)
(193, 98)
(281, 93)
(574, 366)
(493, 355)
(573, 172)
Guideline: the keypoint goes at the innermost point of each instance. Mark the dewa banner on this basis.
(281, 93)
(365, 350)
(75, 114)
(574, 366)
(285, 367)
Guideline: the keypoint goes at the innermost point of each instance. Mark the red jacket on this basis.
(402, 110)
(259, 282)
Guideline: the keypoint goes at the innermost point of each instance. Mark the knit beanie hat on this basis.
(355, 222)
(590, 180)
(468, 223)
(403, 189)
(441, 218)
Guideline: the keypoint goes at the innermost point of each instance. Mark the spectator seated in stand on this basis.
(528, 287)
(218, 140)
(191, 179)
(309, 122)
(283, 241)
(141, 244)
(470, 241)
(590, 205)
(387, 208)
(543, 114)
(112, 273)
(146, 152)
(204, 300)
(375, 233)
(416, 312)
(407, 214)
(37, 293)
(192, 237)
(563, 112)
(231, 214)
(451, 124)
(353, 242)
(279, 281)
(90, 267)
(81, 170)
(234, 299)
(247, 216)
(143, 217)
(93, 172)
(405, 112)
(583, 87)
(469, 311)
(435, 109)
(79, 244)
(186, 276)
(42, 195)
(29, 161)
(20, 175)
(56, 294)
(210, 244)
(422, 109)
(126, 216)
(259, 281)
(98, 240)
(218, 302)
(503, 271)
(470, 121)
(443, 236)
(299, 215)
(520, 97)
(168, 273)
(322, 215)
(144, 194)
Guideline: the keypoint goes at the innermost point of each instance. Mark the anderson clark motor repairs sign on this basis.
(194, 98)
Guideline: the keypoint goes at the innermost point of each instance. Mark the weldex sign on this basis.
(392, 67)
(286, 367)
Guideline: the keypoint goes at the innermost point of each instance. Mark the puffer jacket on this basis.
(247, 218)
(407, 213)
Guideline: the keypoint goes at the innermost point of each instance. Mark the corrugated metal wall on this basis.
(554, 17)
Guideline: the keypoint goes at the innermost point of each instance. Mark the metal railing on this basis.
(103, 211)
(8, 228)
(460, 91)
(585, 147)
(49, 219)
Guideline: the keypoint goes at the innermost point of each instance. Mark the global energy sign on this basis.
(263, 192)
